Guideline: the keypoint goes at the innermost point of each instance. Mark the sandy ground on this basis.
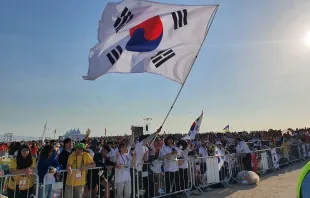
(278, 184)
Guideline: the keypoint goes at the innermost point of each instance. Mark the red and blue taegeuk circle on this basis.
(146, 36)
(193, 126)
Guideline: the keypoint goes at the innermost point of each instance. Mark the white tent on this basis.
(74, 134)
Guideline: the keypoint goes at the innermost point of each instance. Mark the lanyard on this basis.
(123, 159)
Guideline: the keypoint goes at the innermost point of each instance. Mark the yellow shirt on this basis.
(24, 182)
(78, 178)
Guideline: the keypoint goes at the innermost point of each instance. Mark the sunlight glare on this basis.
(307, 39)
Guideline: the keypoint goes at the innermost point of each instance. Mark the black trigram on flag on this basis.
(114, 55)
(179, 18)
(121, 21)
(162, 56)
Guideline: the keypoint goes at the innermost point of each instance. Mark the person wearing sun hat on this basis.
(76, 179)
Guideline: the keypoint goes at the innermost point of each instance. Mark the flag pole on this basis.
(177, 96)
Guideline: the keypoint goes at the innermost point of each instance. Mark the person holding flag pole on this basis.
(144, 36)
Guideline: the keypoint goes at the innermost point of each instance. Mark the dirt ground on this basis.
(278, 184)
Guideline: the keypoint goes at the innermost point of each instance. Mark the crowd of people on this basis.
(119, 158)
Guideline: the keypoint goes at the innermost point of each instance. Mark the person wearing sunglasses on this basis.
(22, 186)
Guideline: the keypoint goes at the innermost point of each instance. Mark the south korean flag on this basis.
(138, 36)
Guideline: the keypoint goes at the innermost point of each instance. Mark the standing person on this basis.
(92, 178)
(122, 172)
(34, 149)
(102, 159)
(171, 167)
(78, 162)
(203, 153)
(183, 148)
(256, 142)
(17, 147)
(243, 148)
(112, 153)
(44, 170)
(24, 163)
(141, 152)
(63, 159)
(57, 149)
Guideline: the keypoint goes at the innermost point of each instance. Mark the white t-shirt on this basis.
(140, 152)
(156, 168)
(170, 165)
(242, 147)
(122, 175)
(202, 152)
(184, 155)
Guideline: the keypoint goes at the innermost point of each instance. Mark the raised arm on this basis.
(151, 137)
(132, 139)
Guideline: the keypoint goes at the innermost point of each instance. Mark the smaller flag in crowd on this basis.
(219, 155)
(194, 128)
(226, 129)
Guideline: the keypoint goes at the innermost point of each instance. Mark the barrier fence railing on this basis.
(100, 182)
(158, 178)
(210, 170)
(19, 185)
(164, 178)
(262, 161)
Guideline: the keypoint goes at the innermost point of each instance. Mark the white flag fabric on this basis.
(137, 36)
(220, 157)
(194, 128)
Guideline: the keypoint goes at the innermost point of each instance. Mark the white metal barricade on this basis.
(98, 182)
(155, 181)
(210, 170)
(151, 180)
(262, 161)
(19, 185)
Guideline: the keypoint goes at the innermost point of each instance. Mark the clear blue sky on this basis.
(252, 73)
